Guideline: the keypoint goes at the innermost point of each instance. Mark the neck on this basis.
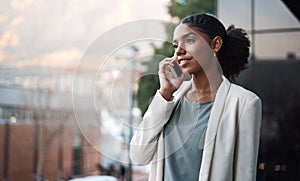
(206, 82)
(204, 87)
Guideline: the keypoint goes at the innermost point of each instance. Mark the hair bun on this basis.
(234, 53)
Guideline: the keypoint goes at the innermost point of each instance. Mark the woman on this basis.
(207, 128)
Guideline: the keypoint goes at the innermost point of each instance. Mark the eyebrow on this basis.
(186, 35)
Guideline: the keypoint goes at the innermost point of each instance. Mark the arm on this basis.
(144, 142)
(247, 141)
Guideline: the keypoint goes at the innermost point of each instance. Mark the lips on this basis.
(183, 61)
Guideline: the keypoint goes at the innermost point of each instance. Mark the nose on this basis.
(180, 51)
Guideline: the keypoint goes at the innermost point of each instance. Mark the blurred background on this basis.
(68, 112)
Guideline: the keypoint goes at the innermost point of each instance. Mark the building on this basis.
(41, 138)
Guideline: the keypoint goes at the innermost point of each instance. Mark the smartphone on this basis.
(175, 69)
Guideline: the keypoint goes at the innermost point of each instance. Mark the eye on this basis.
(175, 46)
(190, 40)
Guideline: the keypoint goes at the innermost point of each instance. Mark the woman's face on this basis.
(192, 49)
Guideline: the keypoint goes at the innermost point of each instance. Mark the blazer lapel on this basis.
(213, 123)
(160, 148)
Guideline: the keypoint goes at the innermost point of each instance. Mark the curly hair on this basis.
(234, 53)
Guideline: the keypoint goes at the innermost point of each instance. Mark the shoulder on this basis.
(236, 92)
(241, 91)
(242, 94)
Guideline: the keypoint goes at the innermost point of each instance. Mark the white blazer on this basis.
(231, 142)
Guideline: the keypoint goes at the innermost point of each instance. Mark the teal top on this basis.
(184, 136)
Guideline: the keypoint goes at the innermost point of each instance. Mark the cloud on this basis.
(3, 19)
(57, 59)
(41, 33)
(126, 12)
(9, 39)
(20, 4)
(2, 55)
(17, 21)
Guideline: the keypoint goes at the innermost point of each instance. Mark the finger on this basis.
(165, 61)
(164, 65)
(175, 57)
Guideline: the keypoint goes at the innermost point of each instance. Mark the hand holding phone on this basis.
(170, 77)
(175, 69)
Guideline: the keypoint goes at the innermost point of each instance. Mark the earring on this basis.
(215, 54)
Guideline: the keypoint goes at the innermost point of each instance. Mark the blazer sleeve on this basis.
(247, 142)
(144, 142)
